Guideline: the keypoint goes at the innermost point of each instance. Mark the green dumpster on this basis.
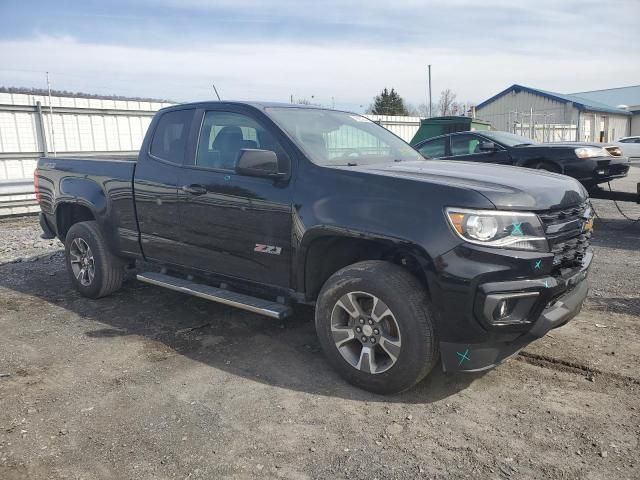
(432, 127)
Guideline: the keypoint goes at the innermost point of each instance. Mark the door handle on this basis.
(194, 189)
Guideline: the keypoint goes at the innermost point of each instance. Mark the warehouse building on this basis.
(623, 97)
(549, 116)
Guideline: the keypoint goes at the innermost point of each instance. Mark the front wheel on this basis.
(94, 270)
(375, 326)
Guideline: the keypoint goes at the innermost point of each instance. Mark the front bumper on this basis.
(470, 357)
(597, 170)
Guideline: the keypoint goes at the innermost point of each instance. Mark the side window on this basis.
(464, 145)
(224, 134)
(170, 137)
(435, 148)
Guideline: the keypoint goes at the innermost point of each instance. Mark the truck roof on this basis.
(256, 104)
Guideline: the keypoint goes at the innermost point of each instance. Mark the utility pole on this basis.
(53, 138)
(429, 91)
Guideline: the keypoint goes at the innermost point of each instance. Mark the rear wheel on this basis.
(374, 323)
(94, 270)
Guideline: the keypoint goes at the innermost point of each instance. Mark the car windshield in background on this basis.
(508, 139)
(329, 137)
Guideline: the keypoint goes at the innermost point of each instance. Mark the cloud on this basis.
(268, 71)
(346, 50)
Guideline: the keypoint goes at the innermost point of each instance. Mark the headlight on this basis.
(590, 152)
(494, 228)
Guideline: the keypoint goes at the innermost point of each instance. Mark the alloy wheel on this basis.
(82, 261)
(365, 332)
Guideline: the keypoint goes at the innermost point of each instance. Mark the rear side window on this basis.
(170, 138)
(435, 148)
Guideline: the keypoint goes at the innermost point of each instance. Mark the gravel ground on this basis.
(150, 384)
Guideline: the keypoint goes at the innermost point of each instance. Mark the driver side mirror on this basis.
(487, 147)
(258, 163)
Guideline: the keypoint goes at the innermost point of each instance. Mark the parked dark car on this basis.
(407, 262)
(589, 163)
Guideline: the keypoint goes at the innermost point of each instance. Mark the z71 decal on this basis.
(267, 249)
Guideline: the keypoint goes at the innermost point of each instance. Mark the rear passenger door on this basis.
(156, 185)
(466, 147)
(236, 225)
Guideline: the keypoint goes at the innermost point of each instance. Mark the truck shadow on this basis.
(283, 354)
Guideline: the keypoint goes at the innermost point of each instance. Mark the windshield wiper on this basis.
(522, 144)
(352, 164)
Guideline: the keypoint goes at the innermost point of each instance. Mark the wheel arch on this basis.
(324, 251)
(532, 163)
(68, 214)
(81, 199)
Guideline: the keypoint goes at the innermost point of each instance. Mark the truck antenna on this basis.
(216, 90)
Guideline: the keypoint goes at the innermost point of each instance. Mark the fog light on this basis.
(601, 172)
(502, 309)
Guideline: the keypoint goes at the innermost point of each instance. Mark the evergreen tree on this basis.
(388, 103)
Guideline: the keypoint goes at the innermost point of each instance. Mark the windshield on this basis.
(329, 137)
(508, 139)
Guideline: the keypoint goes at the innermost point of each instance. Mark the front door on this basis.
(235, 225)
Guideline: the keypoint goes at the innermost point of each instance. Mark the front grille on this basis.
(567, 238)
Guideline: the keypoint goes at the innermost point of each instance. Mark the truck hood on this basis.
(504, 186)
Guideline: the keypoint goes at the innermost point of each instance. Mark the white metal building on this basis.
(549, 116)
(622, 97)
(87, 125)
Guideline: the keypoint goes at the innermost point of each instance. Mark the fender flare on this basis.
(320, 231)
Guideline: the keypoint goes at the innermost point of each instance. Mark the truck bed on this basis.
(102, 184)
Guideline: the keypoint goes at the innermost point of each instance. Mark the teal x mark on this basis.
(463, 356)
(517, 229)
(538, 265)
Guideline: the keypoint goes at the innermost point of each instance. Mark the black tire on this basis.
(108, 270)
(407, 299)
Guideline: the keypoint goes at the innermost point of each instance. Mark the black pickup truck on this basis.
(407, 261)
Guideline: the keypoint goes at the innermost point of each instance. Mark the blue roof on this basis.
(581, 103)
(629, 96)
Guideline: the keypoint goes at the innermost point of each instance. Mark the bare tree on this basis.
(447, 104)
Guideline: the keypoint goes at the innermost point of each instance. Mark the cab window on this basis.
(170, 137)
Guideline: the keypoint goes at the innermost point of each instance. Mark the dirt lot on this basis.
(151, 384)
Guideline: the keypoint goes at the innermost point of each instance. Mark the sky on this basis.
(330, 52)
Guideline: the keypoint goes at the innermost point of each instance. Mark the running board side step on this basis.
(234, 299)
